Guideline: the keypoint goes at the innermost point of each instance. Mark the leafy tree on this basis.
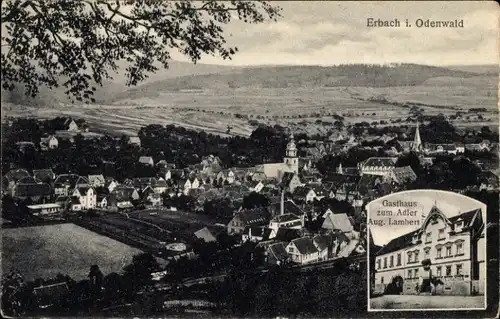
(78, 42)
(138, 273)
(411, 159)
(254, 200)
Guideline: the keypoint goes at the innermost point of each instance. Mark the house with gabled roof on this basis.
(102, 200)
(75, 204)
(323, 244)
(126, 192)
(253, 233)
(50, 142)
(402, 175)
(289, 207)
(96, 180)
(378, 165)
(195, 182)
(134, 140)
(290, 181)
(64, 184)
(70, 125)
(87, 196)
(146, 160)
(302, 250)
(286, 221)
(369, 182)
(304, 194)
(111, 184)
(319, 190)
(276, 254)
(255, 186)
(339, 222)
(452, 247)
(248, 217)
(154, 199)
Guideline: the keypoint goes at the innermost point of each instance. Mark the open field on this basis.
(213, 111)
(296, 96)
(179, 223)
(427, 302)
(151, 229)
(45, 251)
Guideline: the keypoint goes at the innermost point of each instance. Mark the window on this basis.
(441, 234)
(416, 256)
(426, 252)
(428, 237)
(290, 249)
(459, 270)
(448, 251)
(460, 248)
(416, 273)
(438, 271)
(438, 251)
(409, 257)
(448, 270)
(378, 263)
(399, 260)
(381, 280)
(391, 261)
(409, 273)
(385, 262)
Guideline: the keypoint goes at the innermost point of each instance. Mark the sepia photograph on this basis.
(249, 159)
(428, 251)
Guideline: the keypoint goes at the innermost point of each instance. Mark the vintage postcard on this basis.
(249, 159)
(427, 250)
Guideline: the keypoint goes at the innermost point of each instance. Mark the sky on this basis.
(451, 204)
(331, 32)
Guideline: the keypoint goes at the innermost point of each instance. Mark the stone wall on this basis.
(456, 288)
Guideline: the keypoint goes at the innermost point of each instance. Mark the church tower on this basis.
(340, 170)
(291, 155)
(417, 142)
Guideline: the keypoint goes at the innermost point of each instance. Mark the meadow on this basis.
(45, 251)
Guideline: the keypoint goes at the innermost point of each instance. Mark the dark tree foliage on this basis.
(254, 200)
(279, 293)
(448, 173)
(79, 42)
(439, 130)
(177, 145)
(411, 159)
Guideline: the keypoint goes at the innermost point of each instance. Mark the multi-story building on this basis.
(453, 247)
(380, 166)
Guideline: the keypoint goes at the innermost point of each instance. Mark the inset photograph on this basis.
(427, 251)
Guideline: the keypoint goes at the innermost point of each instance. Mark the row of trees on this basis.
(277, 293)
(84, 296)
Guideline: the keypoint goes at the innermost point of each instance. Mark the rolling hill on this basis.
(280, 77)
(117, 85)
(185, 76)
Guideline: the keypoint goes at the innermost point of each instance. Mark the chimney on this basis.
(282, 206)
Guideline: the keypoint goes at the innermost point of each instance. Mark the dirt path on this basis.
(427, 302)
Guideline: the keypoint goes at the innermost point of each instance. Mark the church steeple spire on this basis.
(291, 155)
(417, 141)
